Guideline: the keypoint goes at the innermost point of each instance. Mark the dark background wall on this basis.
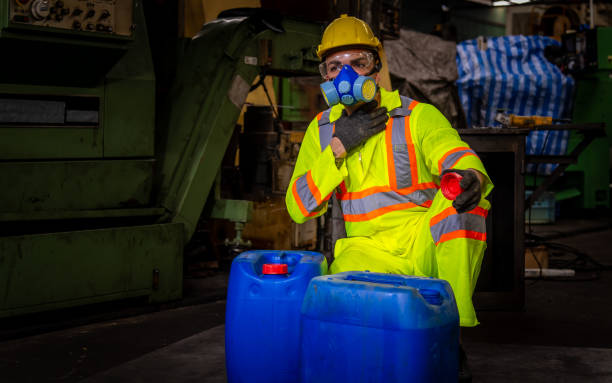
(471, 20)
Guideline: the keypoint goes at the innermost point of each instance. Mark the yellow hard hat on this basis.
(346, 31)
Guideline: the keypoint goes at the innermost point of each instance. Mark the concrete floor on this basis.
(564, 335)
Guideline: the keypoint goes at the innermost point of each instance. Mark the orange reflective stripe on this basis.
(451, 210)
(319, 116)
(423, 186)
(479, 211)
(364, 193)
(445, 213)
(390, 162)
(469, 152)
(462, 234)
(465, 155)
(298, 201)
(313, 187)
(378, 212)
(384, 189)
(448, 154)
(411, 151)
(412, 104)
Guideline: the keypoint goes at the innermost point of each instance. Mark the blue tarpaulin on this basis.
(512, 73)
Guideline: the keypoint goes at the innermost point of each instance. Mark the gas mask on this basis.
(349, 88)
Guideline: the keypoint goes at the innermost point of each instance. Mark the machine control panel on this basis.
(95, 16)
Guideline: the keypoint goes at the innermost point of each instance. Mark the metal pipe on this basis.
(549, 273)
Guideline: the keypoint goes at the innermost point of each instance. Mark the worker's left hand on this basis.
(470, 183)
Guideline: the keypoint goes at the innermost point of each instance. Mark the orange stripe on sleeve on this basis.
(465, 155)
(479, 211)
(313, 187)
(298, 201)
(451, 210)
(444, 214)
(462, 234)
(443, 158)
(413, 104)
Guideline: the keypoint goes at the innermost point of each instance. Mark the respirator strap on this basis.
(377, 68)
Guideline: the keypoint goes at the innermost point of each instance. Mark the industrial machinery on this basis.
(98, 199)
(592, 104)
(588, 56)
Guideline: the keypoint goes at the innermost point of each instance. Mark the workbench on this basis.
(502, 150)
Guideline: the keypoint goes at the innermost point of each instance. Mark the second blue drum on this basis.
(372, 327)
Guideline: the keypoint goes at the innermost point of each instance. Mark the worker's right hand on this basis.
(360, 125)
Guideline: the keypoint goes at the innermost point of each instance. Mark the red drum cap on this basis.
(275, 268)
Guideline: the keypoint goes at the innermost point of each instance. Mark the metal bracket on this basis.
(237, 211)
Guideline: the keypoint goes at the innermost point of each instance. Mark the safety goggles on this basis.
(362, 62)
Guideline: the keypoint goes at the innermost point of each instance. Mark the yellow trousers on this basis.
(411, 250)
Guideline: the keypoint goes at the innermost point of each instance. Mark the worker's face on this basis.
(362, 61)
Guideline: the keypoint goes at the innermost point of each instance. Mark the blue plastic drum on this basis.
(262, 323)
(372, 327)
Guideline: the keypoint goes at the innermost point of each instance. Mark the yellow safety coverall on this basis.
(397, 221)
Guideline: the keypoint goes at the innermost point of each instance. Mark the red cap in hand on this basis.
(450, 185)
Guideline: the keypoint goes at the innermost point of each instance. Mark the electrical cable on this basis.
(579, 261)
(535, 179)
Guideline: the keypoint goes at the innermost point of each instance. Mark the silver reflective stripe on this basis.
(325, 117)
(308, 200)
(385, 199)
(452, 158)
(401, 157)
(326, 129)
(402, 110)
(465, 221)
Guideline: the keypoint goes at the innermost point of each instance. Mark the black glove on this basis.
(470, 197)
(360, 125)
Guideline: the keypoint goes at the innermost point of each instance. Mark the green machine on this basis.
(592, 104)
(97, 199)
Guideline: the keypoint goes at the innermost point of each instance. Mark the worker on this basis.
(383, 155)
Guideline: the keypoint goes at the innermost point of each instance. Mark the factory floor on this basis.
(564, 333)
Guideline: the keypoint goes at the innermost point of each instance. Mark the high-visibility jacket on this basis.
(386, 186)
